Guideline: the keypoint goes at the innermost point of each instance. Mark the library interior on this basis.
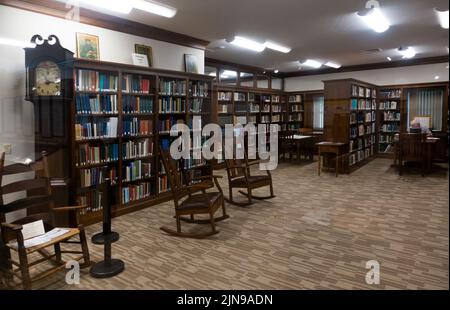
(224, 145)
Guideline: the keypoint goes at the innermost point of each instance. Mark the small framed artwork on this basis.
(88, 46)
(190, 63)
(145, 50)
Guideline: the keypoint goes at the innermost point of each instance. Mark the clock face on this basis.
(48, 79)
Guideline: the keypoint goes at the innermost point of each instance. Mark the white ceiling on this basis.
(326, 30)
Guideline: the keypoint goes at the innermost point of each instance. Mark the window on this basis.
(247, 79)
(426, 102)
(318, 102)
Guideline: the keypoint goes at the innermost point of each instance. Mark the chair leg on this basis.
(178, 224)
(249, 195)
(224, 212)
(230, 190)
(85, 248)
(5, 262)
(213, 222)
(23, 259)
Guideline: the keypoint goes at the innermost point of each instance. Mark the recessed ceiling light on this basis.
(436, 77)
(248, 44)
(407, 52)
(277, 47)
(443, 18)
(276, 71)
(333, 65)
(373, 17)
(389, 58)
(12, 42)
(312, 63)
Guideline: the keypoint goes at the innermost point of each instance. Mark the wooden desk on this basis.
(429, 146)
(330, 147)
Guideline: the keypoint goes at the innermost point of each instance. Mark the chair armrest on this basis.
(257, 162)
(206, 177)
(236, 166)
(12, 227)
(198, 187)
(69, 208)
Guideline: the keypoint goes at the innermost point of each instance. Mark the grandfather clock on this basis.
(49, 86)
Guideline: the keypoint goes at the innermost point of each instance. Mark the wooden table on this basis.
(302, 141)
(330, 147)
(428, 147)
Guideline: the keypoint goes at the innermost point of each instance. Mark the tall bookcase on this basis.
(296, 112)
(389, 118)
(350, 118)
(120, 114)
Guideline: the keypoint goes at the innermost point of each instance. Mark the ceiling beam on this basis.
(93, 18)
(374, 66)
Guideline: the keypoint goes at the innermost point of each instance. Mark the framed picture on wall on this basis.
(145, 50)
(190, 63)
(88, 46)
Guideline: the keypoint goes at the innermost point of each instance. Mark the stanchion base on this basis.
(100, 238)
(107, 269)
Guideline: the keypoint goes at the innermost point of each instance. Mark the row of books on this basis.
(391, 116)
(136, 170)
(295, 98)
(275, 99)
(362, 117)
(251, 119)
(359, 156)
(359, 91)
(92, 199)
(225, 96)
(388, 105)
(196, 105)
(166, 125)
(362, 130)
(276, 118)
(295, 117)
(361, 143)
(362, 104)
(177, 88)
(172, 105)
(240, 108)
(105, 153)
(89, 80)
(265, 108)
(135, 149)
(276, 108)
(135, 84)
(265, 119)
(133, 104)
(239, 97)
(96, 129)
(137, 127)
(386, 138)
(199, 89)
(163, 184)
(393, 94)
(224, 108)
(297, 108)
(95, 104)
(390, 128)
(136, 192)
(254, 108)
(96, 176)
(265, 98)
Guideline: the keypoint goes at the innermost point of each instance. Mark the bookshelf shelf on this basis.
(389, 119)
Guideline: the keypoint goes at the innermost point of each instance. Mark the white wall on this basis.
(16, 115)
(391, 76)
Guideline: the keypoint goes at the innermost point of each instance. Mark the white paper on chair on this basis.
(33, 229)
(44, 238)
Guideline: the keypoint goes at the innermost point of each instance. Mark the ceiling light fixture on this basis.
(389, 58)
(407, 52)
(118, 6)
(373, 17)
(17, 43)
(154, 8)
(248, 44)
(333, 65)
(443, 18)
(436, 77)
(312, 63)
(276, 71)
(277, 47)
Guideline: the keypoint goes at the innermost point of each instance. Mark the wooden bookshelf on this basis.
(135, 107)
(350, 118)
(296, 111)
(390, 120)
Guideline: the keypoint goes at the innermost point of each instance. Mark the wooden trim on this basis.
(58, 9)
(374, 66)
(239, 67)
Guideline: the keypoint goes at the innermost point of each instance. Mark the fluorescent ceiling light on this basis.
(436, 77)
(119, 6)
(333, 65)
(375, 19)
(407, 53)
(443, 18)
(11, 42)
(154, 8)
(312, 63)
(248, 44)
(389, 58)
(212, 74)
(277, 47)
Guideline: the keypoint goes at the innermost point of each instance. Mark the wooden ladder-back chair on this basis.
(239, 176)
(38, 205)
(189, 203)
(287, 143)
(411, 150)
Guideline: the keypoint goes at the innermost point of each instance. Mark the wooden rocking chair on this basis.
(39, 205)
(239, 176)
(195, 203)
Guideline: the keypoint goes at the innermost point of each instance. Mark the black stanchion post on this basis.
(108, 267)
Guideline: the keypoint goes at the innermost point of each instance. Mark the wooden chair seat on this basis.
(71, 233)
(201, 201)
(243, 182)
(26, 203)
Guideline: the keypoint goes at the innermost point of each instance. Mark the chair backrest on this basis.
(37, 187)
(237, 168)
(173, 175)
(411, 146)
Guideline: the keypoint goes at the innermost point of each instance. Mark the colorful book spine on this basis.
(133, 104)
(136, 192)
(135, 84)
(171, 105)
(96, 104)
(89, 155)
(96, 176)
(134, 127)
(136, 149)
(86, 128)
